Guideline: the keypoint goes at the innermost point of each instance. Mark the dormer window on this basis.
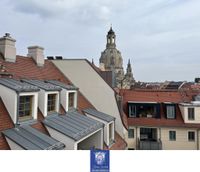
(190, 113)
(68, 95)
(25, 108)
(71, 99)
(51, 106)
(170, 111)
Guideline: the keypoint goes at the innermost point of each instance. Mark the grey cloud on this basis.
(162, 38)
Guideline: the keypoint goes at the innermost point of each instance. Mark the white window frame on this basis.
(34, 105)
(75, 99)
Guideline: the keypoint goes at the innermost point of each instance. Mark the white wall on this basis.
(65, 98)
(9, 98)
(13, 145)
(42, 101)
(69, 143)
(181, 142)
(93, 87)
(184, 112)
(94, 140)
(106, 128)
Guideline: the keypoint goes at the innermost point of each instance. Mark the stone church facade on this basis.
(111, 60)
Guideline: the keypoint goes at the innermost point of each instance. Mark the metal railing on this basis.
(149, 145)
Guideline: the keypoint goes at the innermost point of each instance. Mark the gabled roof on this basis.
(62, 85)
(98, 114)
(31, 139)
(73, 124)
(43, 85)
(17, 85)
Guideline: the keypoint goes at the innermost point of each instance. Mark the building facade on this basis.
(162, 119)
(111, 60)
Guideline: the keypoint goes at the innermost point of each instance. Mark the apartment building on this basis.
(162, 119)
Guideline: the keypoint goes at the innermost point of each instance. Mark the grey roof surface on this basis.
(100, 115)
(73, 124)
(62, 85)
(43, 85)
(32, 139)
(18, 86)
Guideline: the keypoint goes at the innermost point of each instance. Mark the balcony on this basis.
(149, 145)
(144, 110)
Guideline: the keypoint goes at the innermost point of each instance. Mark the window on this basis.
(132, 111)
(191, 136)
(130, 133)
(190, 113)
(51, 106)
(170, 110)
(71, 100)
(172, 135)
(25, 107)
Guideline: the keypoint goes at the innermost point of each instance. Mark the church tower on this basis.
(111, 60)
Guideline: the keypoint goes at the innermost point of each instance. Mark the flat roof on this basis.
(100, 115)
(62, 85)
(18, 86)
(43, 85)
(73, 124)
(32, 139)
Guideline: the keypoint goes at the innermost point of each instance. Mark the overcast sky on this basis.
(161, 37)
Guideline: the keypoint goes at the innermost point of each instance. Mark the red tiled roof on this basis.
(25, 67)
(5, 123)
(159, 96)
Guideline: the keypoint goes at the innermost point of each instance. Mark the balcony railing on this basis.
(149, 145)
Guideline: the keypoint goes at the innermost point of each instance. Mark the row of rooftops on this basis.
(72, 124)
(25, 85)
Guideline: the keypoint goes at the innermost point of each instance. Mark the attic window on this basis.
(170, 110)
(51, 106)
(71, 100)
(25, 108)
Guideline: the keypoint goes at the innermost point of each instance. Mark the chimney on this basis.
(7, 48)
(37, 53)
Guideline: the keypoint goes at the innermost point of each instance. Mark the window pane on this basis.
(25, 107)
(51, 104)
(131, 133)
(71, 100)
(172, 135)
(170, 111)
(191, 136)
(190, 113)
